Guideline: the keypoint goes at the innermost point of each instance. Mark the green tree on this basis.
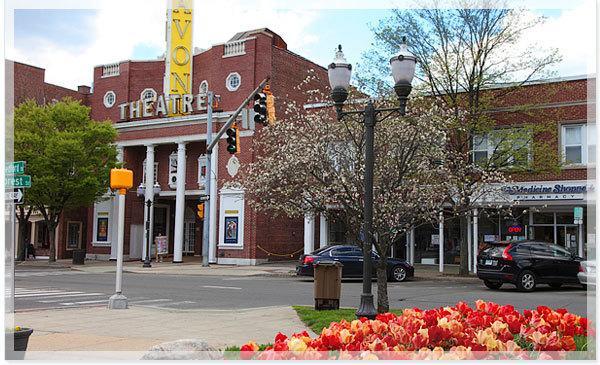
(69, 157)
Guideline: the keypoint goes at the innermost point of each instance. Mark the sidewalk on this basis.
(139, 328)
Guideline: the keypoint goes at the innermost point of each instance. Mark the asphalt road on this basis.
(47, 289)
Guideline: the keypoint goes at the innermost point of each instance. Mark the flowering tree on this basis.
(311, 162)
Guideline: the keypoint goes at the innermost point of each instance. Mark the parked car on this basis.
(352, 258)
(587, 273)
(527, 264)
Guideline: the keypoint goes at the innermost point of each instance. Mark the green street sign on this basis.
(17, 181)
(14, 168)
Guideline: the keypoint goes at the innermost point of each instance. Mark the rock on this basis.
(188, 349)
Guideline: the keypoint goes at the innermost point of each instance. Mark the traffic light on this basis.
(200, 212)
(233, 140)
(270, 107)
(260, 107)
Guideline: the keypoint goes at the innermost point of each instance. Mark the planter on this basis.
(21, 338)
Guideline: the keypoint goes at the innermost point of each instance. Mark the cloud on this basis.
(116, 31)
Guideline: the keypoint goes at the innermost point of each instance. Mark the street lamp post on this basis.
(403, 70)
(147, 205)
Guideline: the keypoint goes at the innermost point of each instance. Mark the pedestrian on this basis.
(30, 250)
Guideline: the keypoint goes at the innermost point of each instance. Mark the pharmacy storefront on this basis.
(549, 211)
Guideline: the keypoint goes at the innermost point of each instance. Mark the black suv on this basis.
(526, 264)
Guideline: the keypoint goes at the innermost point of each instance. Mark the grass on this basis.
(317, 320)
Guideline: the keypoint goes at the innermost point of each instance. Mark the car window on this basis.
(541, 250)
(522, 249)
(346, 251)
(560, 252)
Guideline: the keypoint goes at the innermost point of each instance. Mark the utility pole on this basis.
(210, 143)
(207, 183)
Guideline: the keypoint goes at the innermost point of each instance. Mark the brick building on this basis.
(29, 84)
(544, 203)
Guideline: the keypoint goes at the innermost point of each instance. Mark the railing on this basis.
(235, 48)
(110, 70)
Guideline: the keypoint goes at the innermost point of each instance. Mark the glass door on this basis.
(567, 237)
(189, 236)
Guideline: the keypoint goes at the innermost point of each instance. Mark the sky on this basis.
(69, 40)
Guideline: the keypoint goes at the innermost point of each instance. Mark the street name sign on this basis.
(16, 196)
(14, 168)
(17, 181)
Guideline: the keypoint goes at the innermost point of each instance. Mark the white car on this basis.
(587, 273)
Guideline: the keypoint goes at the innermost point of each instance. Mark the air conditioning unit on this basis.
(173, 180)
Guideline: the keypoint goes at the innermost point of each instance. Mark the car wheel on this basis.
(526, 281)
(398, 274)
(555, 285)
(493, 284)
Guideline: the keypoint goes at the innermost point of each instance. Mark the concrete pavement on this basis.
(139, 328)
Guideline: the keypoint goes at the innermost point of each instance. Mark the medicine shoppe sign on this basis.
(534, 191)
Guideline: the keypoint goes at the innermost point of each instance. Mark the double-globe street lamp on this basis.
(403, 71)
(141, 192)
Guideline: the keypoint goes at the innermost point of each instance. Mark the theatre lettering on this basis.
(163, 106)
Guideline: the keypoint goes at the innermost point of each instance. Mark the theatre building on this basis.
(175, 146)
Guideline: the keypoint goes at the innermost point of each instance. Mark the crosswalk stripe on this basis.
(151, 301)
(48, 293)
(85, 302)
(61, 298)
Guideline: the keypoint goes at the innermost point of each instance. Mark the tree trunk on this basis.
(52, 233)
(464, 248)
(22, 242)
(383, 302)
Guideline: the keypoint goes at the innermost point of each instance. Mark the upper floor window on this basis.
(148, 94)
(503, 147)
(202, 170)
(109, 99)
(233, 81)
(578, 143)
(203, 87)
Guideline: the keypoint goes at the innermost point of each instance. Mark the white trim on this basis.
(170, 121)
(232, 196)
(229, 87)
(240, 262)
(175, 139)
(106, 103)
(204, 82)
(170, 193)
(584, 145)
(104, 207)
(202, 179)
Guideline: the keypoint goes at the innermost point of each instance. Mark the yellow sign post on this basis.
(178, 61)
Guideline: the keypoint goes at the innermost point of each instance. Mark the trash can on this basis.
(328, 284)
(78, 257)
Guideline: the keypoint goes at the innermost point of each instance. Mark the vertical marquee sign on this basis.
(178, 60)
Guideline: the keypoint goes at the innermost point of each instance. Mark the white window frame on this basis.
(584, 145)
(227, 81)
(489, 147)
(102, 209)
(201, 178)
(154, 94)
(144, 172)
(107, 103)
(203, 88)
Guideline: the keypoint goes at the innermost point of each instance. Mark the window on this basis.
(202, 171)
(148, 94)
(144, 172)
(233, 81)
(203, 87)
(109, 99)
(73, 235)
(502, 147)
(579, 143)
(346, 251)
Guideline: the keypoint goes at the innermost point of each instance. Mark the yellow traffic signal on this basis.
(270, 108)
(200, 210)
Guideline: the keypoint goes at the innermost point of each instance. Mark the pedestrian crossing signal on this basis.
(200, 210)
(233, 140)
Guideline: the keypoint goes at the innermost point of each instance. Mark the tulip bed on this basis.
(460, 332)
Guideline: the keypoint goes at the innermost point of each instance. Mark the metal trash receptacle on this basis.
(328, 284)
(78, 257)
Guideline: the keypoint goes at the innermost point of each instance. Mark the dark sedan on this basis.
(352, 259)
(527, 264)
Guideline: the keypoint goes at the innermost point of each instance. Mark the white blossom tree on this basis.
(310, 162)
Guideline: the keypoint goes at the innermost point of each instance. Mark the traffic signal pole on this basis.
(211, 143)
